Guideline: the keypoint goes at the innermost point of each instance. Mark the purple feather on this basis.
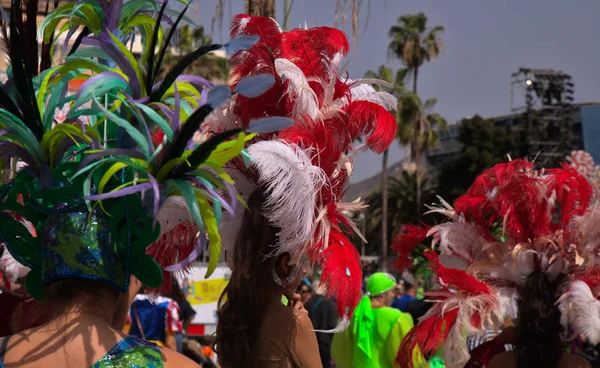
(13, 150)
(203, 97)
(112, 13)
(3, 132)
(231, 193)
(212, 192)
(95, 143)
(231, 190)
(198, 249)
(165, 18)
(194, 80)
(120, 193)
(198, 82)
(70, 34)
(111, 152)
(175, 124)
(90, 83)
(167, 112)
(142, 100)
(117, 56)
(147, 133)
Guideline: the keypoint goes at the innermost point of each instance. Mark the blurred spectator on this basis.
(155, 319)
(305, 292)
(195, 351)
(186, 312)
(409, 296)
(376, 330)
(324, 317)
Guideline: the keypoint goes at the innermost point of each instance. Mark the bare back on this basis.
(78, 344)
(508, 360)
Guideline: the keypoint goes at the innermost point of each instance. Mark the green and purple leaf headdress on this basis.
(121, 169)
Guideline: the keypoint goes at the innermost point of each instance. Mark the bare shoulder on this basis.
(574, 361)
(172, 359)
(503, 360)
(303, 320)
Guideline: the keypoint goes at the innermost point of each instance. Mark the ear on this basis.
(283, 267)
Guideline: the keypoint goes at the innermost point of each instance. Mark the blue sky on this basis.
(484, 42)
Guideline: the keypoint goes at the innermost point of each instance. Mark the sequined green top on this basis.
(129, 352)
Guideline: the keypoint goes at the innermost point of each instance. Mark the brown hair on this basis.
(239, 317)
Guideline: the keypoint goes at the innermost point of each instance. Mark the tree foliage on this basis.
(210, 66)
(401, 207)
(483, 146)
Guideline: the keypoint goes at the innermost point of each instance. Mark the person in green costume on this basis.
(376, 329)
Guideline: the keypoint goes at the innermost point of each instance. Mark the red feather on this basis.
(326, 143)
(405, 242)
(342, 273)
(573, 193)
(374, 121)
(157, 137)
(522, 203)
(264, 27)
(457, 279)
(342, 90)
(428, 335)
(313, 50)
(259, 59)
(174, 245)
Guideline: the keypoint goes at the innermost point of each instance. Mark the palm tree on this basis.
(414, 44)
(402, 209)
(211, 67)
(260, 7)
(267, 7)
(386, 74)
(419, 127)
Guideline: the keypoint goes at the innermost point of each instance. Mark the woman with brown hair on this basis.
(294, 186)
(254, 325)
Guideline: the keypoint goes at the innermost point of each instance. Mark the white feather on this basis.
(582, 311)
(444, 208)
(10, 268)
(292, 183)
(361, 90)
(344, 324)
(384, 99)
(507, 300)
(458, 238)
(455, 350)
(366, 92)
(306, 102)
(220, 119)
(171, 213)
(375, 81)
(243, 23)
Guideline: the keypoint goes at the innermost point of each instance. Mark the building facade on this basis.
(584, 129)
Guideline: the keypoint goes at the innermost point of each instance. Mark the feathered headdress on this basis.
(113, 183)
(514, 220)
(307, 166)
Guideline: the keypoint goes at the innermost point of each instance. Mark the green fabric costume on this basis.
(375, 334)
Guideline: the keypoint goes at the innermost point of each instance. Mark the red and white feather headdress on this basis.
(307, 166)
(514, 220)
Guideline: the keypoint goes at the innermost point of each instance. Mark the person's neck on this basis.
(377, 303)
(412, 293)
(80, 313)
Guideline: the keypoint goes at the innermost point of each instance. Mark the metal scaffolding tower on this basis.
(547, 108)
